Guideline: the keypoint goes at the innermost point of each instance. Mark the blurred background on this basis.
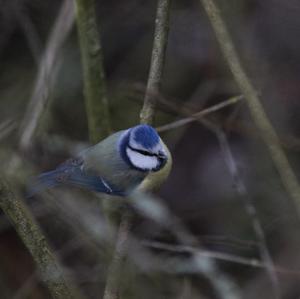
(208, 197)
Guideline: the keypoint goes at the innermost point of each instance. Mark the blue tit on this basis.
(127, 160)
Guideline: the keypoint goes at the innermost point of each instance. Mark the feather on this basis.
(71, 173)
(116, 165)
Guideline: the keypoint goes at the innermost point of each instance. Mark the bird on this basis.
(131, 159)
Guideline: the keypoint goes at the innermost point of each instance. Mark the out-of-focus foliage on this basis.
(201, 190)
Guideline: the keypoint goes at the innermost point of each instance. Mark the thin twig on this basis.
(240, 186)
(93, 71)
(7, 127)
(29, 31)
(114, 276)
(259, 116)
(199, 115)
(167, 105)
(147, 113)
(157, 60)
(51, 272)
(252, 262)
(150, 207)
(46, 74)
(249, 206)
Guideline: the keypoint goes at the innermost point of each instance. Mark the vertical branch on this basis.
(249, 206)
(112, 287)
(157, 60)
(233, 170)
(93, 71)
(51, 272)
(259, 116)
(46, 74)
(114, 276)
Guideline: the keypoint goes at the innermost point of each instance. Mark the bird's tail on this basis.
(71, 175)
(44, 181)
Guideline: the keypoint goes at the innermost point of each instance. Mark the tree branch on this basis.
(46, 74)
(114, 276)
(93, 71)
(259, 116)
(157, 60)
(196, 116)
(51, 272)
(251, 262)
(248, 204)
(112, 288)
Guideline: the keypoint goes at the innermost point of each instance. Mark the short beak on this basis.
(162, 159)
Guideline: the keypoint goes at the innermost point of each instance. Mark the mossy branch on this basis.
(95, 91)
(259, 116)
(112, 288)
(50, 270)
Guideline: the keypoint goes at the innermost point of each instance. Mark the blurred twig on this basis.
(93, 71)
(29, 30)
(112, 288)
(259, 116)
(50, 270)
(87, 229)
(92, 228)
(252, 262)
(46, 74)
(171, 105)
(150, 207)
(249, 206)
(198, 115)
(157, 60)
(6, 127)
(240, 186)
(114, 276)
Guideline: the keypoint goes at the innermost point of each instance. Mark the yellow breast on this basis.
(154, 180)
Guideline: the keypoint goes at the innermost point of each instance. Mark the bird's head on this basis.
(142, 148)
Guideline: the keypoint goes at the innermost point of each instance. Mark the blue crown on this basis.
(146, 136)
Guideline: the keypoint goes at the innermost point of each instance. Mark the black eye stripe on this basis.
(145, 153)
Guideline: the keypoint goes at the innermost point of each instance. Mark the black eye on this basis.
(146, 153)
(142, 152)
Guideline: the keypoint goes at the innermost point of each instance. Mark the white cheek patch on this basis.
(142, 161)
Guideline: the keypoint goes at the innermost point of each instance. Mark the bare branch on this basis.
(29, 30)
(6, 127)
(259, 116)
(157, 60)
(46, 74)
(249, 206)
(153, 209)
(252, 262)
(114, 276)
(199, 115)
(50, 270)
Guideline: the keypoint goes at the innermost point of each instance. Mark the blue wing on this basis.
(71, 173)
